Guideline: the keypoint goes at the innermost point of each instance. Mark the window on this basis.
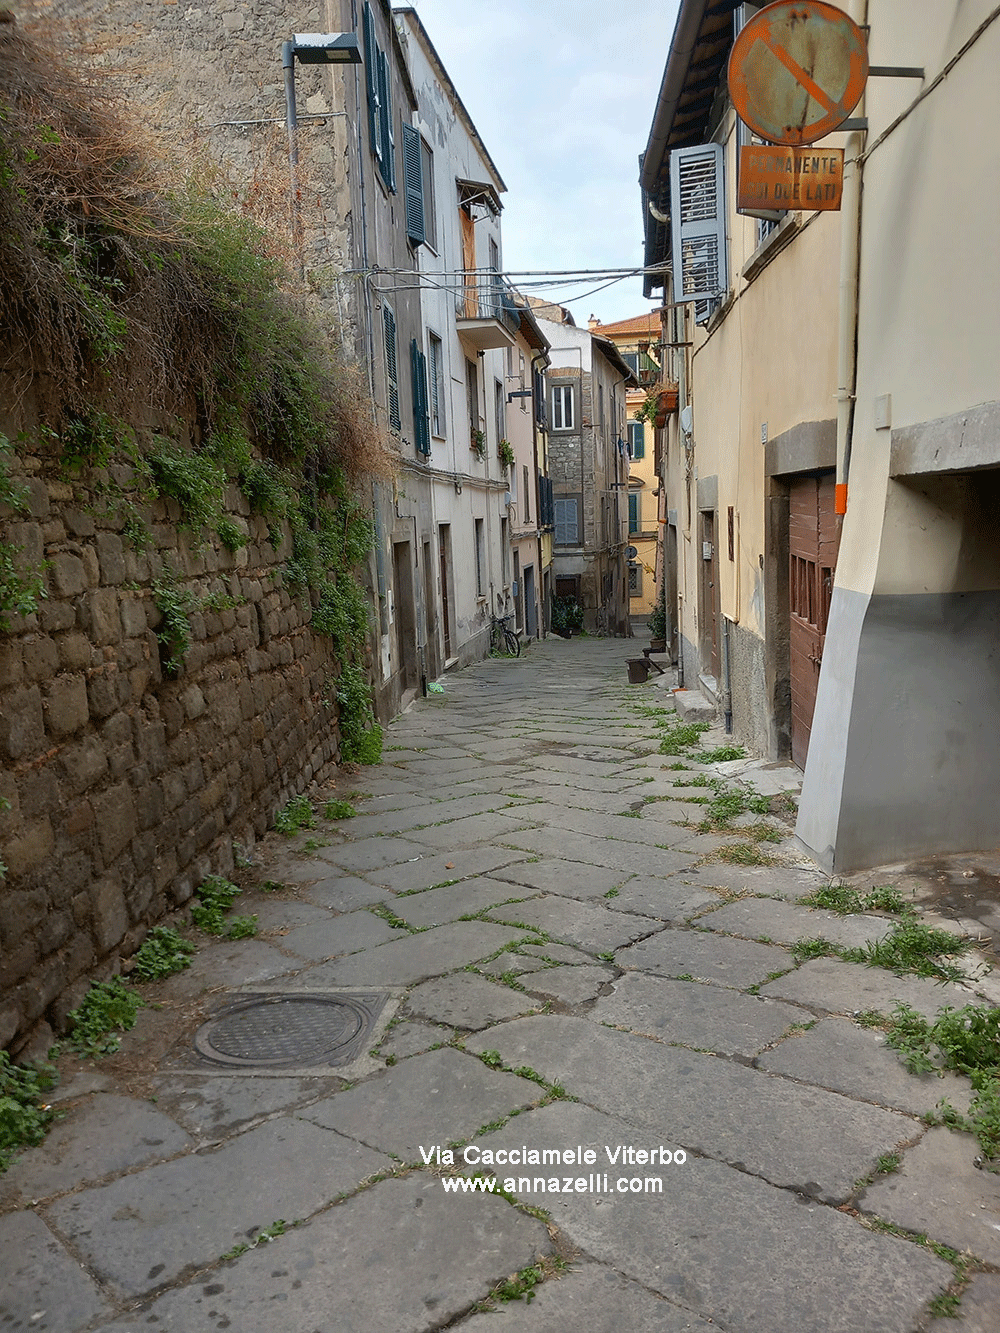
(421, 422)
(546, 509)
(634, 580)
(418, 170)
(391, 366)
(636, 439)
(522, 401)
(562, 407)
(378, 86)
(634, 512)
(430, 208)
(540, 417)
(567, 523)
(631, 359)
(480, 559)
(527, 494)
(435, 369)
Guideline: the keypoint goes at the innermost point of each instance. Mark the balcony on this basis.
(486, 315)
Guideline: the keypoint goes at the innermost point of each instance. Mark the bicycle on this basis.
(503, 641)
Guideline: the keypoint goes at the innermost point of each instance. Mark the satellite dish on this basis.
(687, 420)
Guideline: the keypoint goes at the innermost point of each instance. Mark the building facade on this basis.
(814, 353)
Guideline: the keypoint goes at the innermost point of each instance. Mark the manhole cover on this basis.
(286, 1031)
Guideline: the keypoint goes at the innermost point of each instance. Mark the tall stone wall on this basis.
(126, 786)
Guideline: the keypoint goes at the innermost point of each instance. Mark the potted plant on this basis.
(478, 442)
(505, 452)
(656, 623)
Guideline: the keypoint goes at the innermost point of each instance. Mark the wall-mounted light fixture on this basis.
(309, 48)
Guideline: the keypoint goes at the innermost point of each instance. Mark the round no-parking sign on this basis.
(797, 70)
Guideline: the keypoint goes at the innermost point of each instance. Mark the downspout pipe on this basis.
(850, 259)
(292, 124)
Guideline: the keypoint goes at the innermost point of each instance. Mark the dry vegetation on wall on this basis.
(180, 534)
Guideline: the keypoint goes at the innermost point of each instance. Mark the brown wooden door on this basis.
(444, 554)
(711, 659)
(813, 541)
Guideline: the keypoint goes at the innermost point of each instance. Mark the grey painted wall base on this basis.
(903, 758)
(748, 689)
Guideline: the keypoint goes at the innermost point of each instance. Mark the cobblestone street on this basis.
(544, 956)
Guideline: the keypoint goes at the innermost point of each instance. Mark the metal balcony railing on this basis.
(486, 294)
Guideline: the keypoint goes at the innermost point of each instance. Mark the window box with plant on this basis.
(505, 452)
(478, 443)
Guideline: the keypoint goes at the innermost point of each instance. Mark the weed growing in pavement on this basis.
(267, 1234)
(24, 1115)
(384, 911)
(215, 897)
(843, 899)
(296, 815)
(681, 737)
(675, 768)
(339, 810)
(241, 927)
(492, 1059)
(701, 780)
(872, 1018)
(272, 886)
(163, 953)
(107, 1009)
(611, 893)
(722, 754)
(912, 947)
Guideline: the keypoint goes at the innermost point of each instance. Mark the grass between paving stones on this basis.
(743, 854)
(25, 1116)
(553, 1091)
(911, 948)
(266, 1234)
(521, 1286)
(384, 911)
(965, 1040)
(844, 900)
(339, 810)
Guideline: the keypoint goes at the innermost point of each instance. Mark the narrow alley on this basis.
(521, 958)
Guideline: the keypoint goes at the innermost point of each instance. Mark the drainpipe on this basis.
(850, 254)
(727, 693)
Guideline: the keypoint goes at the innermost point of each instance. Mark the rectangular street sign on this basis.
(772, 176)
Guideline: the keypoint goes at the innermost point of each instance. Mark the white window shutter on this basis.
(698, 222)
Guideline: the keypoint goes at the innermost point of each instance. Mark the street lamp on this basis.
(309, 48)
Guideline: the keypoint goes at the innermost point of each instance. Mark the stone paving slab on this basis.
(705, 957)
(431, 1099)
(228, 963)
(939, 1191)
(556, 953)
(432, 871)
(839, 1055)
(806, 1139)
(105, 1136)
(420, 814)
(786, 882)
(785, 923)
(341, 893)
(42, 1287)
(212, 1106)
(401, 1257)
(517, 963)
(601, 852)
(836, 987)
(737, 1251)
(465, 1000)
(568, 984)
(980, 1309)
(594, 1299)
(280, 913)
(414, 958)
(434, 907)
(706, 1017)
(337, 935)
(408, 1039)
(615, 803)
(668, 900)
(475, 829)
(572, 879)
(581, 782)
(619, 827)
(144, 1230)
(591, 928)
(370, 854)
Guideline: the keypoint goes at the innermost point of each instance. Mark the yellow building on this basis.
(637, 340)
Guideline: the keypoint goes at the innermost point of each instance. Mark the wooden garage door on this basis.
(813, 540)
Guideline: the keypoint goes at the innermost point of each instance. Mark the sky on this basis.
(562, 93)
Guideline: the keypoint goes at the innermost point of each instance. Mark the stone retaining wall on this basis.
(125, 786)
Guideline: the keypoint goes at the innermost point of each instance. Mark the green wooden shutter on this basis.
(372, 65)
(421, 423)
(633, 512)
(388, 141)
(391, 370)
(414, 187)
